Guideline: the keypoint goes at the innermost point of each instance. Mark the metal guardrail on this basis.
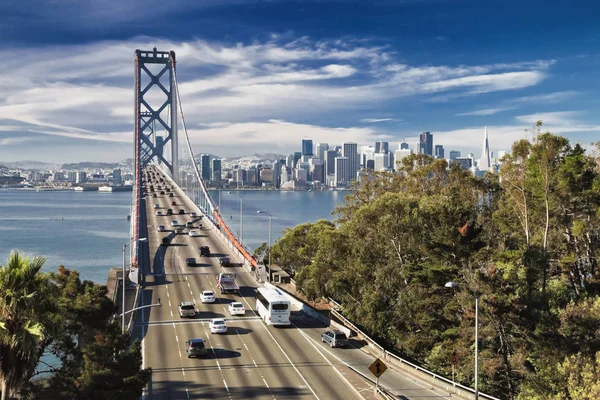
(388, 356)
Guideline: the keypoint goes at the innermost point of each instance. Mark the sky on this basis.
(258, 76)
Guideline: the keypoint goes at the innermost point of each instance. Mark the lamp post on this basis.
(270, 226)
(123, 308)
(455, 285)
(241, 217)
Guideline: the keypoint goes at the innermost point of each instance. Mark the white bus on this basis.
(273, 307)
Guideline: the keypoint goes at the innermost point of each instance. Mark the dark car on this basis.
(334, 338)
(154, 195)
(171, 194)
(204, 251)
(165, 241)
(169, 211)
(173, 203)
(162, 192)
(224, 261)
(195, 347)
(190, 262)
(181, 211)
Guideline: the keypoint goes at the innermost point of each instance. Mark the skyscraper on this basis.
(341, 171)
(205, 167)
(216, 170)
(321, 149)
(426, 140)
(399, 155)
(404, 145)
(289, 161)
(330, 156)
(439, 151)
(297, 156)
(350, 151)
(382, 147)
(307, 147)
(454, 154)
(382, 161)
(485, 162)
(116, 177)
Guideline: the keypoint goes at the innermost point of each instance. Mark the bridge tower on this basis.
(155, 110)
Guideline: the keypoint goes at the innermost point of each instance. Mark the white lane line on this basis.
(187, 393)
(309, 339)
(226, 387)
(245, 345)
(266, 384)
(290, 361)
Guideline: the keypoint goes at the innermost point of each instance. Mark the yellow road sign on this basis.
(378, 368)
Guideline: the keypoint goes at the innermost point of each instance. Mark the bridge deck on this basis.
(251, 361)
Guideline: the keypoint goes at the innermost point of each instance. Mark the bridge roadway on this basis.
(251, 361)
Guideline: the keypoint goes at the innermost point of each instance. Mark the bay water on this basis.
(85, 231)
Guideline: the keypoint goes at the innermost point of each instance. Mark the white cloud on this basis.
(84, 91)
(260, 135)
(503, 136)
(15, 140)
(487, 111)
(376, 120)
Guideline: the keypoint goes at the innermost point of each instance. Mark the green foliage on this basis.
(27, 316)
(526, 241)
(59, 314)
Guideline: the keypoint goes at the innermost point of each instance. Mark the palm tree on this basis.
(27, 305)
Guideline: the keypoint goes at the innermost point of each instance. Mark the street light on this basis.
(454, 285)
(270, 225)
(241, 217)
(123, 309)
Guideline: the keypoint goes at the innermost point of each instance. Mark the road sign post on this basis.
(377, 369)
(453, 361)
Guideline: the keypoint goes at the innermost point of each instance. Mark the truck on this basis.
(226, 282)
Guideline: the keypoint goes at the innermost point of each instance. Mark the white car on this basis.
(237, 308)
(158, 213)
(218, 325)
(207, 296)
(175, 223)
(160, 228)
(193, 233)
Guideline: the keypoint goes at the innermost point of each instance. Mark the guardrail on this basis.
(419, 372)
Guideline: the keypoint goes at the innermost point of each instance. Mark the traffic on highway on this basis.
(220, 334)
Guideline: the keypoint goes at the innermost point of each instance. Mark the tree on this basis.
(27, 317)
(96, 361)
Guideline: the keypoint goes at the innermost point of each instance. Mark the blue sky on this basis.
(258, 76)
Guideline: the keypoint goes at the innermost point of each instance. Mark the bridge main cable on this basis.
(214, 210)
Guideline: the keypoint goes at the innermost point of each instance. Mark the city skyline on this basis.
(249, 82)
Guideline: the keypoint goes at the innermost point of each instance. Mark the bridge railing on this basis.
(400, 363)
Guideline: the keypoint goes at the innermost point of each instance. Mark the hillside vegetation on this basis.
(526, 241)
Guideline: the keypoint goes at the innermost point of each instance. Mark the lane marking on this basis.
(266, 384)
(226, 387)
(290, 360)
(309, 339)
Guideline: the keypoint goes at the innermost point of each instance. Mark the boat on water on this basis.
(122, 188)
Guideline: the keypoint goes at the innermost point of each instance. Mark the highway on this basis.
(252, 360)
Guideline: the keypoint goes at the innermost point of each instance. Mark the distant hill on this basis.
(28, 164)
(90, 165)
(3, 167)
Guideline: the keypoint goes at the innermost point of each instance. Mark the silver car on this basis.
(187, 309)
(195, 347)
(334, 338)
